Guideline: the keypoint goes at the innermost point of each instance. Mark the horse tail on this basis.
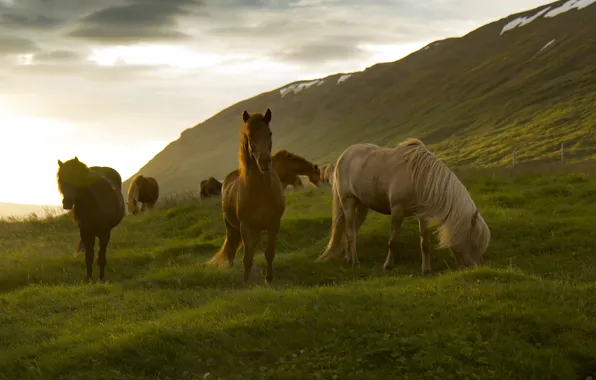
(132, 197)
(336, 243)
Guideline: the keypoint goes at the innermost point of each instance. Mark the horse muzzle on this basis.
(263, 162)
(67, 205)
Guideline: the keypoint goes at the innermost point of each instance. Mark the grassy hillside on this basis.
(529, 314)
(472, 99)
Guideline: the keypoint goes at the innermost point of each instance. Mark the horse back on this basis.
(376, 176)
(110, 174)
(101, 205)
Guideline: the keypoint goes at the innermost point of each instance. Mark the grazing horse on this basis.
(407, 180)
(252, 197)
(95, 196)
(209, 187)
(144, 190)
(289, 166)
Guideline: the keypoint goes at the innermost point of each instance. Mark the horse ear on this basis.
(76, 159)
(267, 116)
(245, 116)
(316, 167)
(475, 217)
(60, 163)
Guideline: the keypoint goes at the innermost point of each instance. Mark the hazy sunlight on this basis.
(30, 148)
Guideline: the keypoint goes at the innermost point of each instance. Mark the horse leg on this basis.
(349, 205)
(250, 240)
(88, 240)
(104, 239)
(397, 217)
(361, 213)
(270, 250)
(233, 240)
(425, 247)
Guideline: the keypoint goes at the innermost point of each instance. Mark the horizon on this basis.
(115, 90)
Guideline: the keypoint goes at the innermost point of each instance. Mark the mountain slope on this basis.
(525, 82)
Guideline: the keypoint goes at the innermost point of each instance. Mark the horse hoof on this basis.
(388, 266)
(427, 273)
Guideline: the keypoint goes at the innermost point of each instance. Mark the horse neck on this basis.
(297, 167)
(249, 171)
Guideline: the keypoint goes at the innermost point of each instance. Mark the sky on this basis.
(114, 81)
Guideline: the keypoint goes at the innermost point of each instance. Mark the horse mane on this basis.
(81, 182)
(133, 191)
(244, 158)
(442, 198)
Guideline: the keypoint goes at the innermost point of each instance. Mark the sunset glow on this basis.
(30, 148)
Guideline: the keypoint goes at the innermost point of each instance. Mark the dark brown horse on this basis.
(144, 190)
(209, 187)
(289, 166)
(95, 197)
(252, 198)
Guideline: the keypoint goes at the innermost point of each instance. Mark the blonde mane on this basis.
(442, 198)
(133, 194)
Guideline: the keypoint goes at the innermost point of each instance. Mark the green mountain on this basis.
(525, 82)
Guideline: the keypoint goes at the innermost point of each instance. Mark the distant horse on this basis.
(144, 190)
(209, 187)
(252, 197)
(407, 180)
(327, 173)
(289, 166)
(95, 196)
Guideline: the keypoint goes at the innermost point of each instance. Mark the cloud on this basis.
(141, 21)
(57, 56)
(16, 45)
(321, 52)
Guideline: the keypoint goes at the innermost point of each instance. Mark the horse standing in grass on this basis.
(144, 190)
(209, 187)
(407, 180)
(94, 194)
(289, 166)
(252, 197)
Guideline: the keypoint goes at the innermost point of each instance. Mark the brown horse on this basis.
(144, 190)
(418, 184)
(209, 187)
(252, 198)
(95, 196)
(290, 165)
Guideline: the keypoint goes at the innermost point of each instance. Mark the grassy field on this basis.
(529, 314)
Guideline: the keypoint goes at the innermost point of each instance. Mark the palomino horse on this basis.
(407, 180)
(209, 187)
(252, 197)
(327, 173)
(289, 166)
(95, 196)
(144, 190)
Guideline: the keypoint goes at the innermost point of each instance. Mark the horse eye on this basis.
(270, 134)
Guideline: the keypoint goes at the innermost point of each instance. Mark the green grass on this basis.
(529, 314)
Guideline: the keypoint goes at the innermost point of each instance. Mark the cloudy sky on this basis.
(113, 81)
